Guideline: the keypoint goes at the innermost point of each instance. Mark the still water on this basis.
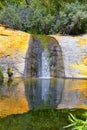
(27, 96)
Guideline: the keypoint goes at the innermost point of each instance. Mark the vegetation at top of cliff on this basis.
(45, 17)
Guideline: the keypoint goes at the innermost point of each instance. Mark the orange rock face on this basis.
(74, 51)
(12, 41)
(12, 98)
(13, 47)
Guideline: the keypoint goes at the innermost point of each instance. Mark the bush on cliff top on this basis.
(70, 18)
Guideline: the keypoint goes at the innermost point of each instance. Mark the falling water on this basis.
(45, 65)
(45, 89)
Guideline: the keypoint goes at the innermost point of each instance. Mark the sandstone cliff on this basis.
(22, 53)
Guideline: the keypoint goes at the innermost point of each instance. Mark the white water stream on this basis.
(45, 65)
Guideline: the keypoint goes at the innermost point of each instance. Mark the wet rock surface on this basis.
(33, 58)
(33, 63)
(22, 53)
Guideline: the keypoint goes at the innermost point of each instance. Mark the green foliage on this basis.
(44, 41)
(40, 21)
(9, 16)
(12, 2)
(42, 119)
(1, 74)
(15, 17)
(73, 19)
(77, 123)
(9, 72)
(45, 17)
(9, 82)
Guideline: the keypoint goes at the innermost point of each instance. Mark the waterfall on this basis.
(45, 89)
(45, 65)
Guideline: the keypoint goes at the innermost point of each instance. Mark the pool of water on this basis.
(27, 104)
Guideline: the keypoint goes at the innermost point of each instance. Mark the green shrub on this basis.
(1, 74)
(9, 82)
(9, 16)
(76, 123)
(9, 72)
(15, 17)
(72, 19)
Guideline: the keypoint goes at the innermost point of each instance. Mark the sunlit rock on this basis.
(74, 51)
(22, 52)
(13, 46)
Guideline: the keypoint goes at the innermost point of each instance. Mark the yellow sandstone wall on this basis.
(14, 46)
(74, 51)
(12, 41)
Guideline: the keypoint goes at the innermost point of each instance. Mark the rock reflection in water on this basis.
(74, 94)
(12, 97)
(21, 95)
(42, 93)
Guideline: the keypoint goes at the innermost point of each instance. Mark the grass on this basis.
(41, 119)
(46, 119)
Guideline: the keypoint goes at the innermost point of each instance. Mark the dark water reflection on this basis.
(21, 95)
(42, 93)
